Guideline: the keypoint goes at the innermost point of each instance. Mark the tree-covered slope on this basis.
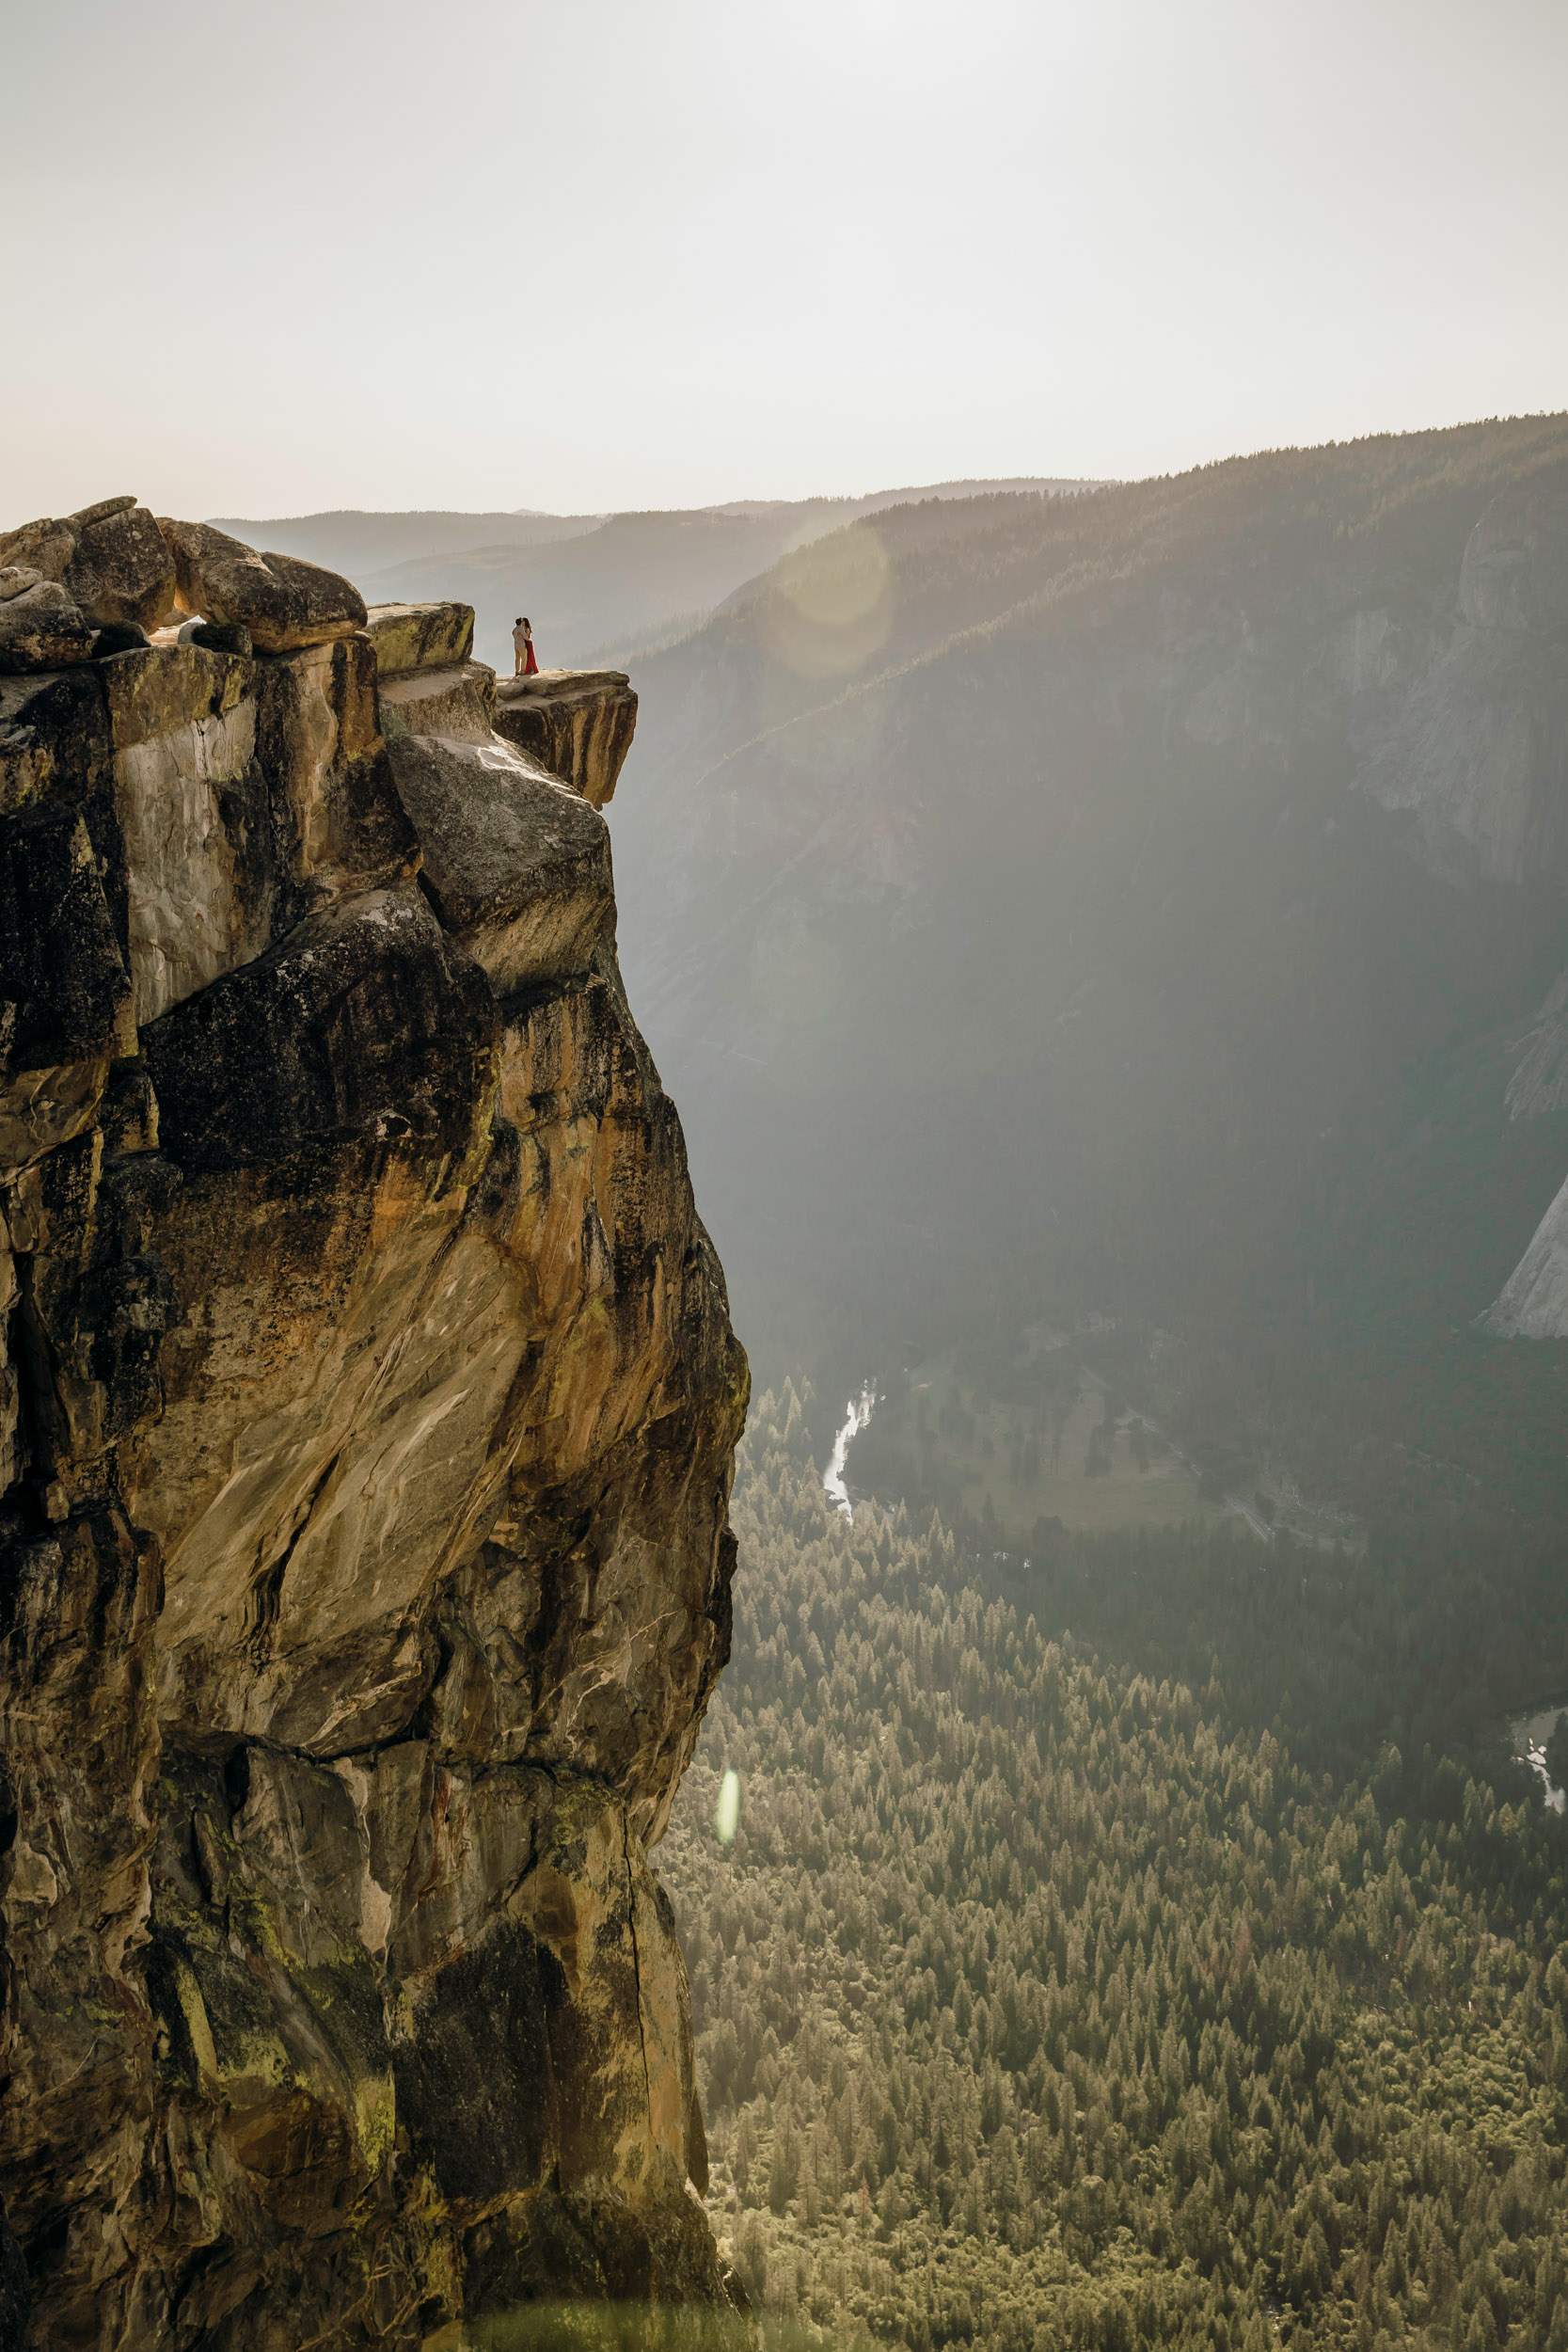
(1065, 1992)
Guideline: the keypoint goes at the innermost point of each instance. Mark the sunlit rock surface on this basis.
(578, 723)
(419, 636)
(366, 1407)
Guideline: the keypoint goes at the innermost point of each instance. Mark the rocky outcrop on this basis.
(40, 626)
(455, 700)
(367, 1406)
(111, 561)
(577, 724)
(281, 601)
(419, 636)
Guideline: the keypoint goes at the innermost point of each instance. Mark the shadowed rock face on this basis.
(367, 1406)
(40, 626)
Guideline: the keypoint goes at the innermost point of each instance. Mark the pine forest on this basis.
(1048, 1992)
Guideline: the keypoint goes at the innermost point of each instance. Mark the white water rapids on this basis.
(1530, 1734)
(859, 1412)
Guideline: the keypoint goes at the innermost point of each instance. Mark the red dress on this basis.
(530, 667)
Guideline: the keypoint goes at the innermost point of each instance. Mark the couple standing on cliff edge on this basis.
(522, 646)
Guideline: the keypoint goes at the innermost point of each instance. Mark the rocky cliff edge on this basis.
(366, 1407)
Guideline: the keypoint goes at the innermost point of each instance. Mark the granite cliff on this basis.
(1198, 842)
(367, 1413)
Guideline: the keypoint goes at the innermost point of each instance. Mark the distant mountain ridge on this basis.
(589, 582)
(360, 541)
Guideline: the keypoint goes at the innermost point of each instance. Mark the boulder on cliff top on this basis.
(282, 600)
(120, 570)
(42, 630)
(110, 560)
(419, 636)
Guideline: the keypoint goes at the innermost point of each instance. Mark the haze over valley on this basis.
(605, 586)
(784, 1363)
(1141, 910)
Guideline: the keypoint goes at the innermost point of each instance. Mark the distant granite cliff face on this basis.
(366, 1410)
(1471, 729)
(1199, 842)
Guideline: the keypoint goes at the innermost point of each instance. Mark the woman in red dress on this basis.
(522, 646)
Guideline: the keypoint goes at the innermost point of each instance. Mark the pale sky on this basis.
(611, 253)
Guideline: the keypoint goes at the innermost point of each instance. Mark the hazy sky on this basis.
(612, 253)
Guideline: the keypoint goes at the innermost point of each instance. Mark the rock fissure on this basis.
(636, 1970)
(267, 1589)
(366, 1408)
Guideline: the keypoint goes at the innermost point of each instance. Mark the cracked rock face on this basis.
(367, 1406)
(578, 723)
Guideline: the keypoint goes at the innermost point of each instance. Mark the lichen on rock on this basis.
(367, 1407)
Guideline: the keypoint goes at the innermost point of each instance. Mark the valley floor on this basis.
(1042, 2000)
(1071, 1453)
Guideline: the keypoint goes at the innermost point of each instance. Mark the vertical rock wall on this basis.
(367, 1406)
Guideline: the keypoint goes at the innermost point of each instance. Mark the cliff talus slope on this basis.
(366, 1419)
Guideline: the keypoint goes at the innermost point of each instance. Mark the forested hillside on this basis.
(1082, 1989)
(1135, 909)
